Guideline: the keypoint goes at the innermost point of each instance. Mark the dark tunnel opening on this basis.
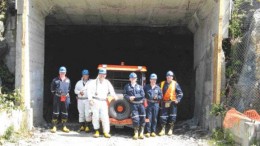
(84, 47)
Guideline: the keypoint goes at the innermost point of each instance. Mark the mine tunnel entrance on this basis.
(158, 48)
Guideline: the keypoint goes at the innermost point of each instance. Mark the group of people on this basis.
(92, 105)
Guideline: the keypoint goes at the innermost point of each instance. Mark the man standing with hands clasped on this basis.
(172, 95)
(153, 94)
(60, 87)
(83, 102)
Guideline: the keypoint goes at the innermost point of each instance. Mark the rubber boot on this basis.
(107, 135)
(141, 135)
(171, 129)
(162, 132)
(54, 123)
(82, 126)
(147, 134)
(96, 135)
(153, 134)
(135, 133)
(64, 128)
(87, 128)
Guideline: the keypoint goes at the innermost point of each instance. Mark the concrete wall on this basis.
(33, 60)
(204, 25)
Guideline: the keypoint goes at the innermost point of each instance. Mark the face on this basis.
(152, 81)
(169, 78)
(133, 80)
(102, 76)
(85, 77)
(62, 74)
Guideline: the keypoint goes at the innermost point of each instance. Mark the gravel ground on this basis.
(184, 135)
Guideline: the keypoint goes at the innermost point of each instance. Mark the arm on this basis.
(179, 92)
(140, 95)
(111, 89)
(53, 87)
(159, 97)
(77, 89)
(127, 97)
(91, 89)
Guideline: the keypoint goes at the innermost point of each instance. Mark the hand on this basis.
(155, 97)
(176, 101)
(81, 93)
(91, 102)
(132, 98)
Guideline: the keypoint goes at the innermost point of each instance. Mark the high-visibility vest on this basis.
(170, 93)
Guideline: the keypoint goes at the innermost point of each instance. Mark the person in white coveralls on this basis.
(98, 91)
(83, 102)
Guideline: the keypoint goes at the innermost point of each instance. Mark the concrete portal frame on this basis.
(29, 72)
(29, 69)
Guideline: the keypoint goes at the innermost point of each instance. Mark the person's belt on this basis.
(82, 98)
(62, 94)
(153, 101)
(137, 102)
(100, 99)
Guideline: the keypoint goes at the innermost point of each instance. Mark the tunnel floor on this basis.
(159, 49)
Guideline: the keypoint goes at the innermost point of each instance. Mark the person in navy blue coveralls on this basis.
(134, 93)
(153, 94)
(60, 88)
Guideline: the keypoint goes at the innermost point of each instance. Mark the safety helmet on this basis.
(63, 69)
(132, 75)
(169, 73)
(102, 71)
(153, 76)
(85, 72)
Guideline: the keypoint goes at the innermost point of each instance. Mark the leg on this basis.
(105, 119)
(64, 116)
(172, 117)
(135, 119)
(81, 114)
(95, 117)
(163, 118)
(142, 116)
(155, 111)
(148, 124)
(88, 116)
(55, 114)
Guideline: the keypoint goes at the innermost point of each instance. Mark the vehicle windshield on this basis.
(120, 78)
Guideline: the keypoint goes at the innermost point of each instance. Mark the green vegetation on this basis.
(10, 101)
(221, 137)
(218, 109)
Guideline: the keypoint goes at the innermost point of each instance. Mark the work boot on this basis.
(107, 135)
(54, 123)
(153, 134)
(171, 129)
(82, 126)
(54, 129)
(87, 129)
(135, 133)
(64, 129)
(141, 135)
(162, 131)
(147, 134)
(96, 135)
